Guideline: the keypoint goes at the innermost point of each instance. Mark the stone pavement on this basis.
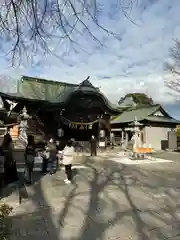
(107, 200)
(175, 156)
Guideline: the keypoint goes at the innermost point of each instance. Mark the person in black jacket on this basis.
(10, 169)
(1, 171)
(30, 154)
(51, 147)
(45, 159)
(93, 146)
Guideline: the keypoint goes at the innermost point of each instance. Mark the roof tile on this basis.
(140, 114)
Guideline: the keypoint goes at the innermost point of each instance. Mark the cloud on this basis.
(133, 62)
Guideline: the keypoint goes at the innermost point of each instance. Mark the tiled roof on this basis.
(44, 91)
(162, 119)
(139, 113)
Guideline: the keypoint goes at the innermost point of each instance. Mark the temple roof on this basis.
(86, 84)
(153, 113)
(45, 90)
(48, 92)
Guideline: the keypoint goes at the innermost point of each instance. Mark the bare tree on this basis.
(29, 26)
(8, 84)
(172, 69)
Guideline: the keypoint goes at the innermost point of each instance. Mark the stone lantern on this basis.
(137, 131)
(23, 126)
(137, 135)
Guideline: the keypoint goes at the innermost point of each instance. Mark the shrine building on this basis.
(158, 128)
(60, 109)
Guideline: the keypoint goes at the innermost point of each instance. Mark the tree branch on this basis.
(172, 69)
(30, 26)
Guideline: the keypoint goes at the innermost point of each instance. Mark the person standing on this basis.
(112, 140)
(59, 157)
(68, 157)
(93, 146)
(30, 153)
(45, 159)
(10, 169)
(52, 156)
(58, 154)
(1, 171)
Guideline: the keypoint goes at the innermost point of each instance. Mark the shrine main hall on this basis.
(79, 110)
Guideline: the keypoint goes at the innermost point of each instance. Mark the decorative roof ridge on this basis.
(87, 83)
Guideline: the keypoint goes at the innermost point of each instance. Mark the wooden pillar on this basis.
(122, 135)
(126, 140)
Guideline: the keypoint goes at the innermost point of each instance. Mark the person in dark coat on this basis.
(51, 147)
(30, 154)
(93, 146)
(45, 159)
(1, 171)
(58, 154)
(10, 170)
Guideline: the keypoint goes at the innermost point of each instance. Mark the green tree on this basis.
(178, 132)
(138, 99)
(172, 69)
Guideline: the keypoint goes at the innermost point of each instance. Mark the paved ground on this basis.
(107, 200)
(175, 156)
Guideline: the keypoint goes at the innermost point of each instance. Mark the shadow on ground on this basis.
(121, 202)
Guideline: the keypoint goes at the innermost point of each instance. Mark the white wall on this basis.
(154, 136)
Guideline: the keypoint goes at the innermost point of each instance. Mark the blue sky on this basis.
(132, 63)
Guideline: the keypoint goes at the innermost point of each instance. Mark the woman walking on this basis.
(68, 157)
(30, 154)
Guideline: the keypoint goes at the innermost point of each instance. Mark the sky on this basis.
(131, 62)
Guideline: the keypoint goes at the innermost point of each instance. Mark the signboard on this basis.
(80, 127)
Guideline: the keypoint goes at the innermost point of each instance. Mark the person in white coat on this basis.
(68, 157)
